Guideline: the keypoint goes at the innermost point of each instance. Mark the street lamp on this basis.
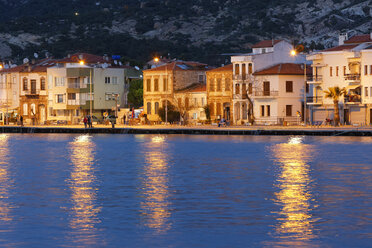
(116, 103)
(294, 53)
(81, 62)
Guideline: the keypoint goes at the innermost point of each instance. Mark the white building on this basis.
(265, 54)
(349, 66)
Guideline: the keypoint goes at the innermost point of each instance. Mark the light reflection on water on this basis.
(155, 206)
(81, 182)
(5, 180)
(294, 196)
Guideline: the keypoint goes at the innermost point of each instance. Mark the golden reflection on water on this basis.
(81, 182)
(5, 179)
(294, 196)
(155, 206)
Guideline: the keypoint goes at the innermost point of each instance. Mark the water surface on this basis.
(184, 191)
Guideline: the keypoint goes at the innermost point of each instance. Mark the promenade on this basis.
(206, 129)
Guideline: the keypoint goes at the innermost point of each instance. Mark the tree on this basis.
(173, 114)
(183, 105)
(335, 93)
(135, 94)
(207, 111)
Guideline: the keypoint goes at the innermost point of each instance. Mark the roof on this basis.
(86, 57)
(181, 66)
(285, 69)
(197, 87)
(340, 48)
(228, 68)
(266, 43)
(359, 39)
(37, 66)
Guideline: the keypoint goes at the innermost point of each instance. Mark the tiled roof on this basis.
(37, 66)
(285, 69)
(199, 87)
(359, 39)
(340, 48)
(266, 43)
(223, 69)
(181, 66)
(86, 57)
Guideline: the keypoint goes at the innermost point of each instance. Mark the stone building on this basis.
(161, 83)
(220, 92)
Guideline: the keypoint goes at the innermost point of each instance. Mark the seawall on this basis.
(192, 131)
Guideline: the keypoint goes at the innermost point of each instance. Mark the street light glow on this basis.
(81, 62)
(156, 59)
(293, 53)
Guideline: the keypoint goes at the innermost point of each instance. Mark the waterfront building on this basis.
(9, 93)
(81, 82)
(161, 83)
(282, 102)
(264, 55)
(349, 66)
(219, 92)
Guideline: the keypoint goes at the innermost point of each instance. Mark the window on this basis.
(250, 88)
(25, 109)
(195, 116)
(201, 79)
(211, 85)
(186, 102)
(263, 50)
(33, 109)
(71, 96)
(156, 108)
(202, 100)
(244, 72)
(219, 84)
(307, 88)
(344, 70)
(59, 81)
(165, 84)
(148, 108)
(262, 110)
(59, 98)
(370, 91)
(289, 86)
(366, 70)
(218, 106)
(148, 85)
(156, 84)
(25, 84)
(268, 110)
(86, 80)
(336, 71)
(237, 89)
(250, 68)
(109, 96)
(107, 80)
(211, 109)
(366, 91)
(195, 102)
(236, 69)
(42, 84)
(114, 80)
(288, 110)
(370, 70)
(330, 71)
(227, 84)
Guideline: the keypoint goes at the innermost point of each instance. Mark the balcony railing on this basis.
(353, 99)
(315, 78)
(75, 102)
(76, 86)
(32, 92)
(352, 77)
(265, 93)
(314, 99)
(240, 77)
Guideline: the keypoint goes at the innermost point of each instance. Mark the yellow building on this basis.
(220, 93)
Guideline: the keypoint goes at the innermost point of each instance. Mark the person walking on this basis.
(85, 120)
(124, 118)
(89, 121)
(21, 120)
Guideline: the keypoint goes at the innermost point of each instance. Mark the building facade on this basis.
(161, 83)
(220, 92)
(349, 66)
(265, 54)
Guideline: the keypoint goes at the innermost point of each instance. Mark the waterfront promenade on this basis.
(207, 129)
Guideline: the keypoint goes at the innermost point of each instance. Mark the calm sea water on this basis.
(185, 191)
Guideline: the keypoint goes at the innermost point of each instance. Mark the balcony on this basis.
(74, 102)
(240, 77)
(265, 93)
(315, 79)
(314, 100)
(352, 78)
(31, 92)
(76, 86)
(353, 99)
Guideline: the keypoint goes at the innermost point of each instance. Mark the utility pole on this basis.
(90, 91)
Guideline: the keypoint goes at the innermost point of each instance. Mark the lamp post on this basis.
(116, 104)
(294, 53)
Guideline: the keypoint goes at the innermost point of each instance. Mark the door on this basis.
(266, 88)
(33, 86)
(346, 116)
(42, 114)
(370, 117)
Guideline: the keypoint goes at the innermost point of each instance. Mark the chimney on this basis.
(341, 38)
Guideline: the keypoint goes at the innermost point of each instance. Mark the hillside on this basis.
(186, 29)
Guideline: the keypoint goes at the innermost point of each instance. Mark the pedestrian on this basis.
(124, 117)
(21, 120)
(89, 121)
(85, 120)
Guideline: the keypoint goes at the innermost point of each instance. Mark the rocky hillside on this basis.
(185, 29)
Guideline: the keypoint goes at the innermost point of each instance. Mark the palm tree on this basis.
(335, 93)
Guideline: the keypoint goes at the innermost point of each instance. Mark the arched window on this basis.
(148, 108)
(25, 109)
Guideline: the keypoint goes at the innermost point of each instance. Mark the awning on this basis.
(352, 87)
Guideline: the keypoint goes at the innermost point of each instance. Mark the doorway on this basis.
(346, 116)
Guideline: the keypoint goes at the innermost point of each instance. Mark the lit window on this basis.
(107, 80)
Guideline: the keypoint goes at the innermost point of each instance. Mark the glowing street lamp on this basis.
(156, 59)
(81, 62)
